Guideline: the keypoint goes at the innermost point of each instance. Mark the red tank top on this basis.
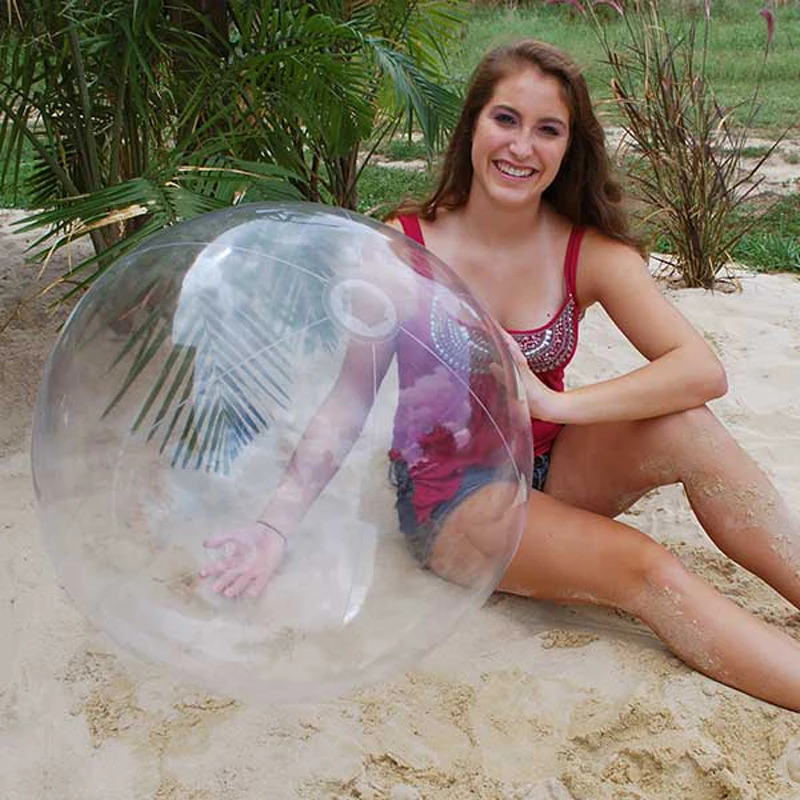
(548, 348)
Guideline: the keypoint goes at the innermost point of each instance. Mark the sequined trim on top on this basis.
(551, 347)
(464, 348)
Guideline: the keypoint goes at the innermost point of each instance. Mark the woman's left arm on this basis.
(683, 371)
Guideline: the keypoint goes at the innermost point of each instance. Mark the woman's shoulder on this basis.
(410, 225)
(404, 222)
(441, 226)
(604, 263)
(394, 222)
(404, 213)
(594, 245)
(600, 248)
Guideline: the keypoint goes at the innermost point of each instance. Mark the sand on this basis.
(522, 703)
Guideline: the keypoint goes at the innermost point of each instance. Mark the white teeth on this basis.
(514, 172)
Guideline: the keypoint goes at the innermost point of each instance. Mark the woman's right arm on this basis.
(256, 550)
(330, 435)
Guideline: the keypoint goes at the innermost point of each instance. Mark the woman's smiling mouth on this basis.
(514, 172)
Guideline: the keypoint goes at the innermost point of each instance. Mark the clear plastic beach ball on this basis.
(296, 357)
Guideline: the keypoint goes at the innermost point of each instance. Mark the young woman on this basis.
(528, 216)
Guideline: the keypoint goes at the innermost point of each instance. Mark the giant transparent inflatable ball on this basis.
(305, 367)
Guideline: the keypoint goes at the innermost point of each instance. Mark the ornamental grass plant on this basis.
(684, 150)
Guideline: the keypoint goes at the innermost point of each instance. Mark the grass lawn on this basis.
(382, 188)
(738, 36)
(774, 241)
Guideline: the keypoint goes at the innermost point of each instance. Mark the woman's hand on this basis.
(255, 553)
(543, 402)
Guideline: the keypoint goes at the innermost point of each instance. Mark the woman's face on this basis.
(520, 138)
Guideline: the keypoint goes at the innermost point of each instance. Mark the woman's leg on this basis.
(605, 468)
(571, 555)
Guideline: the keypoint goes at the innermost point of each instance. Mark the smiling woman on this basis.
(527, 213)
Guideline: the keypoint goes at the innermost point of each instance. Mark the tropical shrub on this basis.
(143, 114)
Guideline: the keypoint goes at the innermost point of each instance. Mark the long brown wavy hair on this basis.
(584, 190)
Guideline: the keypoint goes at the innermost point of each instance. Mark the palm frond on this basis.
(183, 192)
(416, 93)
(138, 124)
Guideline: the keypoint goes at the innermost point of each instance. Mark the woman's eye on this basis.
(550, 130)
(505, 119)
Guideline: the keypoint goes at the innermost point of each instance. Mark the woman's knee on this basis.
(632, 575)
(659, 577)
(456, 559)
(579, 557)
(622, 583)
(674, 442)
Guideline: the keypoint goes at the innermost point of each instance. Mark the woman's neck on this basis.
(495, 226)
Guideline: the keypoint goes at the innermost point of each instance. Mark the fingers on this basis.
(218, 567)
(239, 550)
(497, 372)
(233, 581)
(257, 585)
(512, 343)
(237, 582)
(518, 357)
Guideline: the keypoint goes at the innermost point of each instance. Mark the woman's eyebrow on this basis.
(504, 107)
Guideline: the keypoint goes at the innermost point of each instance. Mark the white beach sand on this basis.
(593, 708)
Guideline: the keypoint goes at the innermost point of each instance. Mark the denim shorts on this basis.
(421, 537)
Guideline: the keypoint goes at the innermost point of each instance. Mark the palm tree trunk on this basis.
(347, 190)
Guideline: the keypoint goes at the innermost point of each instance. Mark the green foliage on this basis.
(140, 115)
(85, 101)
(15, 193)
(773, 242)
(405, 150)
(305, 85)
(154, 202)
(755, 151)
(781, 218)
(767, 251)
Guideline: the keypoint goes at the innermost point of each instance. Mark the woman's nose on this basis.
(521, 147)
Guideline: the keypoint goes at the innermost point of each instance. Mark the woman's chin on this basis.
(515, 200)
